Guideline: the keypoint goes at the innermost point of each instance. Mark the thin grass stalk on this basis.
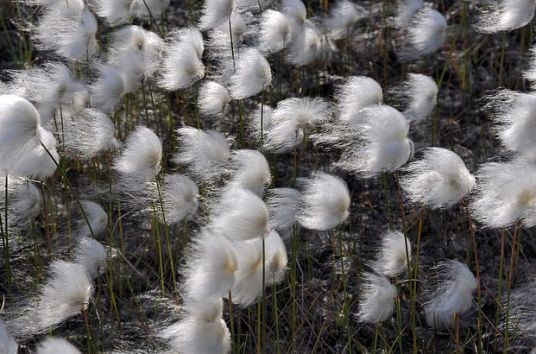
(241, 126)
(501, 270)
(88, 331)
(262, 115)
(263, 329)
(385, 182)
(276, 318)
(153, 21)
(375, 338)
(413, 302)
(231, 323)
(156, 230)
(6, 233)
(232, 45)
(166, 234)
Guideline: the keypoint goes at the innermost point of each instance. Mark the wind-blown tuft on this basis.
(252, 75)
(215, 12)
(440, 179)
(7, 344)
(505, 194)
(342, 17)
(356, 93)
(283, 205)
(393, 254)
(56, 345)
(405, 11)
(453, 294)
(325, 202)
(275, 31)
(251, 171)
(180, 198)
(426, 34)
(98, 219)
(421, 91)
(213, 97)
(92, 255)
(108, 89)
(504, 15)
(377, 299)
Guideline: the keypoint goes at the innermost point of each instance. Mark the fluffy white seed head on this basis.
(530, 72)
(113, 11)
(88, 133)
(275, 31)
(343, 15)
(210, 269)
(24, 200)
(426, 34)
(213, 97)
(203, 152)
(248, 285)
(421, 91)
(7, 344)
(37, 162)
(215, 12)
(182, 65)
(283, 205)
(453, 294)
(254, 122)
(405, 11)
(393, 254)
(377, 299)
(131, 66)
(325, 202)
(383, 144)
(504, 15)
(306, 44)
(356, 93)
(239, 215)
(514, 114)
(505, 194)
(250, 171)
(197, 334)
(140, 160)
(295, 9)
(180, 198)
(107, 90)
(147, 8)
(98, 219)
(289, 119)
(92, 255)
(253, 74)
(54, 345)
(440, 179)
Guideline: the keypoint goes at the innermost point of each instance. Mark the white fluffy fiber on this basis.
(119, 11)
(421, 92)
(377, 299)
(283, 205)
(215, 12)
(108, 89)
(383, 144)
(405, 11)
(250, 170)
(306, 44)
(343, 15)
(180, 198)
(504, 15)
(24, 200)
(440, 179)
(514, 114)
(91, 255)
(505, 194)
(275, 31)
(182, 65)
(295, 9)
(54, 345)
(254, 122)
(287, 122)
(203, 152)
(356, 93)
(98, 219)
(213, 98)
(88, 133)
(453, 294)
(252, 75)
(211, 267)
(393, 254)
(7, 344)
(325, 202)
(140, 160)
(239, 215)
(425, 34)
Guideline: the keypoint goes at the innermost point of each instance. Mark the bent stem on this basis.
(232, 45)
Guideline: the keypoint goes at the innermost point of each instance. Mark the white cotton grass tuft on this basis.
(148, 8)
(283, 205)
(213, 98)
(203, 152)
(530, 72)
(290, 118)
(275, 31)
(239, 215)
(425, 34)
(421, 92)
(382, 144)
(97, 217)
(250, 170)
(439, 180)
(219, 43)
(377, 299)
(179, 197)
(24, 200)
(54, 345)
(248, 286)
(295, 9)
(325, 202)
(356, 93)
(453, 294)
(52, 88)
(87, 134)
(141, 158)
(92, 255)
(342, 17)
(256, 128)
(8, 345)
(22, 138)
(200, 331)
(211, 267)
(117, 12)
(515, 124)
(69, 31)
(215, 12)
(505, 194)
(504, 15)
(405, 11)
(393, 254)
(521, 315)
(252, 75)
(306, 44)
(108, 89)
(182, 65)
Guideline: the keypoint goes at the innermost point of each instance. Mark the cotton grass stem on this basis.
(5, 231)
(232, 45)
